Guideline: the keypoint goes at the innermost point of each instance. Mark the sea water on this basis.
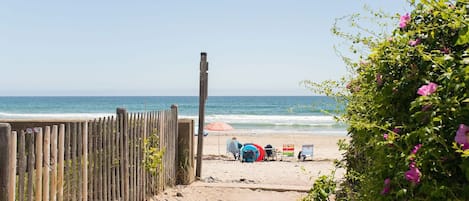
(254, 114)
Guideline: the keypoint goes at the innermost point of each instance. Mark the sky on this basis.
(152, 48)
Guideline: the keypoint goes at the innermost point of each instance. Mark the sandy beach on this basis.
(225, 179)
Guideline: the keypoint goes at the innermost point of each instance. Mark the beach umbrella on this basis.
(218, 126)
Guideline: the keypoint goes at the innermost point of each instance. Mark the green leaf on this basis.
(463, 36)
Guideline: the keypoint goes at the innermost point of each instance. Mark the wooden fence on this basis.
(102, 159)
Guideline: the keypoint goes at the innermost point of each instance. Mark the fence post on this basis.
(7, 162)
(122, 119)
(185, 168)
(84, 159)
(174, 120)
(202, 98)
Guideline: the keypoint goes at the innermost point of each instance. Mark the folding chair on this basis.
(270, 153)
(306, 151)
(288, 151)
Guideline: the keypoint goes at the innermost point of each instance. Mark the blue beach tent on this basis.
(249, 153)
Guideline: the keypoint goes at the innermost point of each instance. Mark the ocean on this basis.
(252, 114)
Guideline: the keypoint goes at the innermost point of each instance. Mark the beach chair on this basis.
(306, 151)
(270, 153)
(288, 151)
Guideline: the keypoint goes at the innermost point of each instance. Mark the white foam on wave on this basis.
(4, 115)
(280, 120)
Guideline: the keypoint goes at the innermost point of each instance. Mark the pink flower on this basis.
(387, 186)
(415, 42)
(379, 79)
(413, 174)
(428, 89)
(396, 130)
(461, 136)
(404, 20)
(385, 136)
(416, 148)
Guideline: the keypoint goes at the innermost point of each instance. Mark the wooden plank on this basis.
(96, 161)
(142, 156)
(53, 165)
(8, 160)
(90, 159)
(100, 159)
(104, 158)
(5, 141)
(21, 164)
(93, 168)
(60, 163)
(12, 166)
(118, 164)
(108, 159)
(138, 158)
(121, 152)
(134, 159)
(126, 158)
(68, 182)
(39, 150)
(84, 160)
(74, 165)
(46, 169)
(31, 158)
(114, 159)
(131, 155)
(80, 161)
(124, 174)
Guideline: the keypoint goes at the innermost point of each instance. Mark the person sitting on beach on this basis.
(233, 147)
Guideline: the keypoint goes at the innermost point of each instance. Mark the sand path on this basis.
(225, 179)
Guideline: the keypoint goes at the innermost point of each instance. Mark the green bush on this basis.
(407, 101)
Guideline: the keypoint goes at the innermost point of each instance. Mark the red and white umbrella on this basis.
(218, 126)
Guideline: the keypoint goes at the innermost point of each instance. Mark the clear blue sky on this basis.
(263, 47)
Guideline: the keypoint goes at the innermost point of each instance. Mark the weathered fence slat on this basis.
(131, 155)
(99, 164)
(114, 147)
(46, 169)
(81, 164)
(84, 159)
(39, 151)
(68, 161)
(94, 130)
(118, 157)
(53, 163)
(74, 167)
(12, 165)
(108, 158)
(31, 158)
(139, 156)
(60, 163)
(104, 157)
(21, 164)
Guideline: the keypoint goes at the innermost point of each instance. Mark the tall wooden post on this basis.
(7, 162)
(122, 119)
(202, 99)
